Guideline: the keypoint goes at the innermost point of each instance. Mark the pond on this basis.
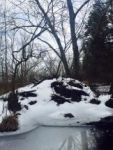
(60, 138)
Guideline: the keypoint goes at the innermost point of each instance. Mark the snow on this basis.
(110, 25)
(47, 112)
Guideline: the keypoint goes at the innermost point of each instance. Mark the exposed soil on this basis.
(32, 102)
(58, 99)
(95, 101)
(64, 91)
(69, 115)
(109, 103)
(27, 94)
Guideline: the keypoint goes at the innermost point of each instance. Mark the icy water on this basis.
(60, 138)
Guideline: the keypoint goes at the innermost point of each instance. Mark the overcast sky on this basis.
(19, 8)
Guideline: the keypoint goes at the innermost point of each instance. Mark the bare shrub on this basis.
(9, 123)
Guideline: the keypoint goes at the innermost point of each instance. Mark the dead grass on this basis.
(9, 123)
(4, 88)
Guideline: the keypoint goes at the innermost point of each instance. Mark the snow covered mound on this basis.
(58, 102)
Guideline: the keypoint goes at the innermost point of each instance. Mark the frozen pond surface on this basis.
(59, 138)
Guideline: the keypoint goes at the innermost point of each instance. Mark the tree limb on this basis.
(79, 9)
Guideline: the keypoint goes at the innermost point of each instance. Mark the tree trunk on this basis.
(63, 57)
(6, 50)
(75, 65)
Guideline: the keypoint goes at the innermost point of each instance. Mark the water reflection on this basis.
(91, 139)
(86, 141)
(60, 138)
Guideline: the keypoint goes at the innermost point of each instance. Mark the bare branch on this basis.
(32, 39)
(79, 9)
(50, 47)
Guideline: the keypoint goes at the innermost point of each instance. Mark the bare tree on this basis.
(6, 49)
(54, 33)
(72, 18)
(51, 24)
(55, 21)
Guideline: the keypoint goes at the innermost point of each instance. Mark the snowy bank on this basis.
(58, 102)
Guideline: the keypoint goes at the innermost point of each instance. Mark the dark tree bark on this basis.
(75, 65)
(72, 18)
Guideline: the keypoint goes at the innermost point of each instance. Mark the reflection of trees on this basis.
(70, 143)
(86, 141)
(67, 143)
(91, 140)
